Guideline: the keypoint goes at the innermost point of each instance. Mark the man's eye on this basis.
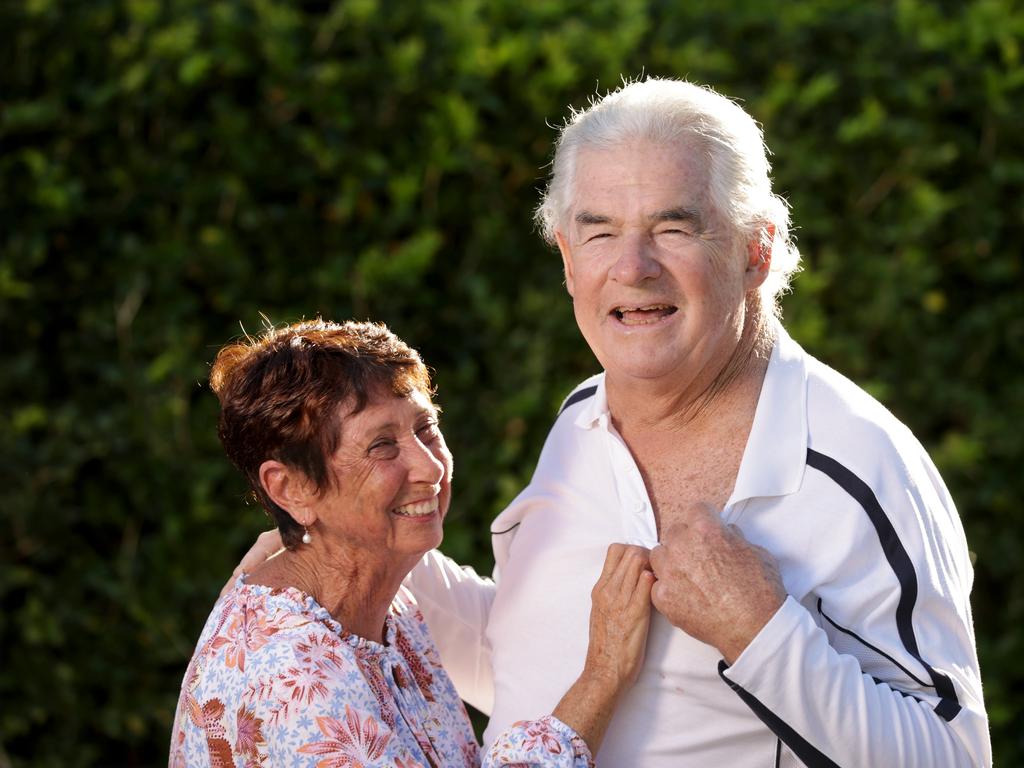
(598, 236)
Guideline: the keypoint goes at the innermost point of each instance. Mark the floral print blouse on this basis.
(275, 681)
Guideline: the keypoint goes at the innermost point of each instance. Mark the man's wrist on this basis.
(737, 644)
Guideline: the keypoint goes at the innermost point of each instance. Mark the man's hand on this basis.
(267, 545)
(712, 583)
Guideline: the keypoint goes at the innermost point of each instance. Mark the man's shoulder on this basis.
(563, 432)
(564, 421)
(569, 451)
(835, 401)
(582, 392)
(849, 426)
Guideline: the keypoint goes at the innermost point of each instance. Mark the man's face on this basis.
(658, 279)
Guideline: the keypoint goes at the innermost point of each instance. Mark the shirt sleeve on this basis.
(878, 665)
(543, 743)
(456, 604)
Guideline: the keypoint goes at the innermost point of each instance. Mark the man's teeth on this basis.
(417, 509)
(641, 315)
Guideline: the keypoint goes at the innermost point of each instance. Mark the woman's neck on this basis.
(356, 591)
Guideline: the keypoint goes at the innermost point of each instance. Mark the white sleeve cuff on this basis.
(756, 660)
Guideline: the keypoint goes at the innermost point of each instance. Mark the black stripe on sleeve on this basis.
(949, 705)
(874, 648)
(577, 396)
(507, 530)
(798, 745)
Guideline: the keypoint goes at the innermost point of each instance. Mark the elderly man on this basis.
(813, 575)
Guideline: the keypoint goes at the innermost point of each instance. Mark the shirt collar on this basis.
(595, 409)
(776, 453)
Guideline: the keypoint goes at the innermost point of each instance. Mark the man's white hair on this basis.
(665, 111)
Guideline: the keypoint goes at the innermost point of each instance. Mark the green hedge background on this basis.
(170, 169)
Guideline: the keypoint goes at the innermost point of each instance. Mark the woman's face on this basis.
(392, 479)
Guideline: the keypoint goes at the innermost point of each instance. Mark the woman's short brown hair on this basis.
(281, 394)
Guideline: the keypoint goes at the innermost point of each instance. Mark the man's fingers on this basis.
(657, 594)
(267, 545)
(656, 558)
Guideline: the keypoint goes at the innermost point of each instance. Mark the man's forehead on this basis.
(670, 181)
(685, 152)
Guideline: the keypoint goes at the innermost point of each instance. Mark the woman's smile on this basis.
(418, 509)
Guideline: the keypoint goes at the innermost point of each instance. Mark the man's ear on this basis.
(759, 256)
(290, 490)
(563, 248)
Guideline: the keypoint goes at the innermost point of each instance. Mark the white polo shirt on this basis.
(871, 660)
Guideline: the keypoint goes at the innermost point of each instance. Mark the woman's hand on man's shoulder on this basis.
(268, 544)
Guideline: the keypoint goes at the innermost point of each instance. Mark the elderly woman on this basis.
(319, 656)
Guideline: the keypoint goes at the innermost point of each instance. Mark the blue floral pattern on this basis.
(275, 681)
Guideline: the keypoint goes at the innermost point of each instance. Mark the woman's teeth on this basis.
(417, 509)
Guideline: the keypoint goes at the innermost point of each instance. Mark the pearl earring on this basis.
(306, 538)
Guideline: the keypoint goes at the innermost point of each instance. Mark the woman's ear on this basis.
(290, 490)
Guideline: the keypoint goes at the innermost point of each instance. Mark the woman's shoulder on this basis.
(270, 668)
(254, 625)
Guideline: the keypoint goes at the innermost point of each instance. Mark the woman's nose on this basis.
(424, 465)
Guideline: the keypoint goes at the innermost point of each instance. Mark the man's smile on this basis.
(645, 314)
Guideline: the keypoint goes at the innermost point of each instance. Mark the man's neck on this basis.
(704, 399)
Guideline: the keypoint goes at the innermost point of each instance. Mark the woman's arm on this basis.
(619, 619)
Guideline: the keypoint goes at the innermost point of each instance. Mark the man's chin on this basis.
(642, 366)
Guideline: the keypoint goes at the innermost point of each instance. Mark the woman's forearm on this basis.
(588, 705)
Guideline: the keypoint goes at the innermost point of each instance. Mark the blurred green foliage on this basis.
(170, 169)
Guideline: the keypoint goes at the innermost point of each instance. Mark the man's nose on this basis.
(636, 260)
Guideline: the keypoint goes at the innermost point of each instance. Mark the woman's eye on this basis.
(428, 432)
(383, 447)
